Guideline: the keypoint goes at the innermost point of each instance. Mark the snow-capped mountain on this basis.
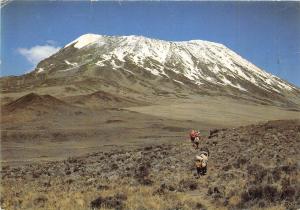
(137, 63)
(201, 62)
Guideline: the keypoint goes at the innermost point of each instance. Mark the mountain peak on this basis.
(85, 40)
(208, 65)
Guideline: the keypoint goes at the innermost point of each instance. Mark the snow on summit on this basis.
(200, 61)
(85, 40)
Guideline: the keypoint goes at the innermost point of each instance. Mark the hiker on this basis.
(201, 162)
(195, 138)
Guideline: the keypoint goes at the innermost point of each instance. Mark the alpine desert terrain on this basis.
(104, 124)
(250, 167)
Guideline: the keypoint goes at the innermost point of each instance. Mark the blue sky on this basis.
(265, 33)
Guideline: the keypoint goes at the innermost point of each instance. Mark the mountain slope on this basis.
(102, 99)
(33, 100)
(32, 106)
(141, 65)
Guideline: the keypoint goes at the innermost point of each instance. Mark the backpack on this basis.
(194, 134)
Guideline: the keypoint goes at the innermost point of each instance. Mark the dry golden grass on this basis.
(63, 197)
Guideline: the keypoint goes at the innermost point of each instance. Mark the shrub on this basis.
(213, 133)
(40, 201)
(258, 172)
(288, 169)
(240, 162)
(270, 193)
(262, 204)
(102, 187)
(121, 196)
(148, 148)
(252, 193)
(111, 202)
(200, 206)
(142, 174)
(226, 167)
(114, 166)
(215, 192)
(260, 194)
(276, 173)
(185, 185)
(96, 203)
(145, 181)
(288, 193)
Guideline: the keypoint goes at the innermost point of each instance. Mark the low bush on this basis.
(187, 184)
(111, 202)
